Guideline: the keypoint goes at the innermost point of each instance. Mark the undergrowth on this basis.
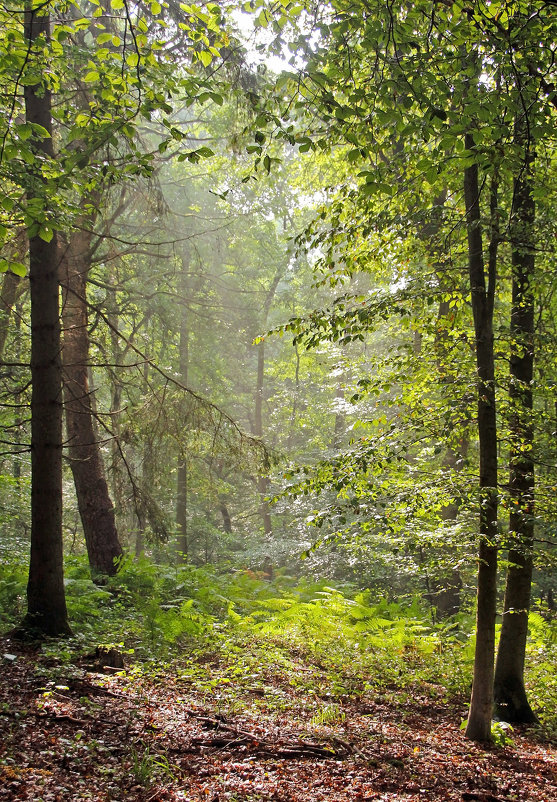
(245, 635)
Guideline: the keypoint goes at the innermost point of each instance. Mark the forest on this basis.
(278, 370)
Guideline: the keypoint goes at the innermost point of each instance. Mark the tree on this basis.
(510, 693)
(95, 506)
(483, 295)
(46, 604)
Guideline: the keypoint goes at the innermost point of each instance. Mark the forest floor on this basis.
(204, 729)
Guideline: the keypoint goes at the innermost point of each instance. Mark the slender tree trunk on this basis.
(262, 478)
(481, 703)
(340, 417)
(116, 470)
(182, 478)
(510, 694)
(95, 506)
(46, 604)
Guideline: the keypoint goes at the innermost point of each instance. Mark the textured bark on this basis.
(510, 694)
(481, 703)
(95, 506)
(46, 604)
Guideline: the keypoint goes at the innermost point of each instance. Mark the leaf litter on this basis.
(189, 732)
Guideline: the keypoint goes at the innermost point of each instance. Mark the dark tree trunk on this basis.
(510, 694)
(481, 703)
(95, 506)
(46, 603)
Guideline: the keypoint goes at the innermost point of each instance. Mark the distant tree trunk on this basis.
(226, 520)
(295, 401)
(481, 703)
(182, 478)
(10, 288)
(262, 478)
(116, 471)
(46, 603)
(95, 506)
(340, 417)
(510, 694)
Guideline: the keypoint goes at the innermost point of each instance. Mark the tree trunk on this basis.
(182, 478)
(481, 703)
(46, 603)
(8, 296)
(262, 478)
(95, 506)
(116, 470)
(226, 519)
(510, 694)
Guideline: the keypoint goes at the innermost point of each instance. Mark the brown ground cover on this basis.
(76, 732)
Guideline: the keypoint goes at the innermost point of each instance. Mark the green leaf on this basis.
(205, 57)
(18, 268)
(46, 233)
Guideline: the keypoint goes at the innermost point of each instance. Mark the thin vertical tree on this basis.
(46, 604)
(483, 296)
(509, 690)
(95, 505)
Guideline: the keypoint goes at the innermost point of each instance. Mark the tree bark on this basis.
(46, 603)
(95, 506)
(510, 694)
(481, 703)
